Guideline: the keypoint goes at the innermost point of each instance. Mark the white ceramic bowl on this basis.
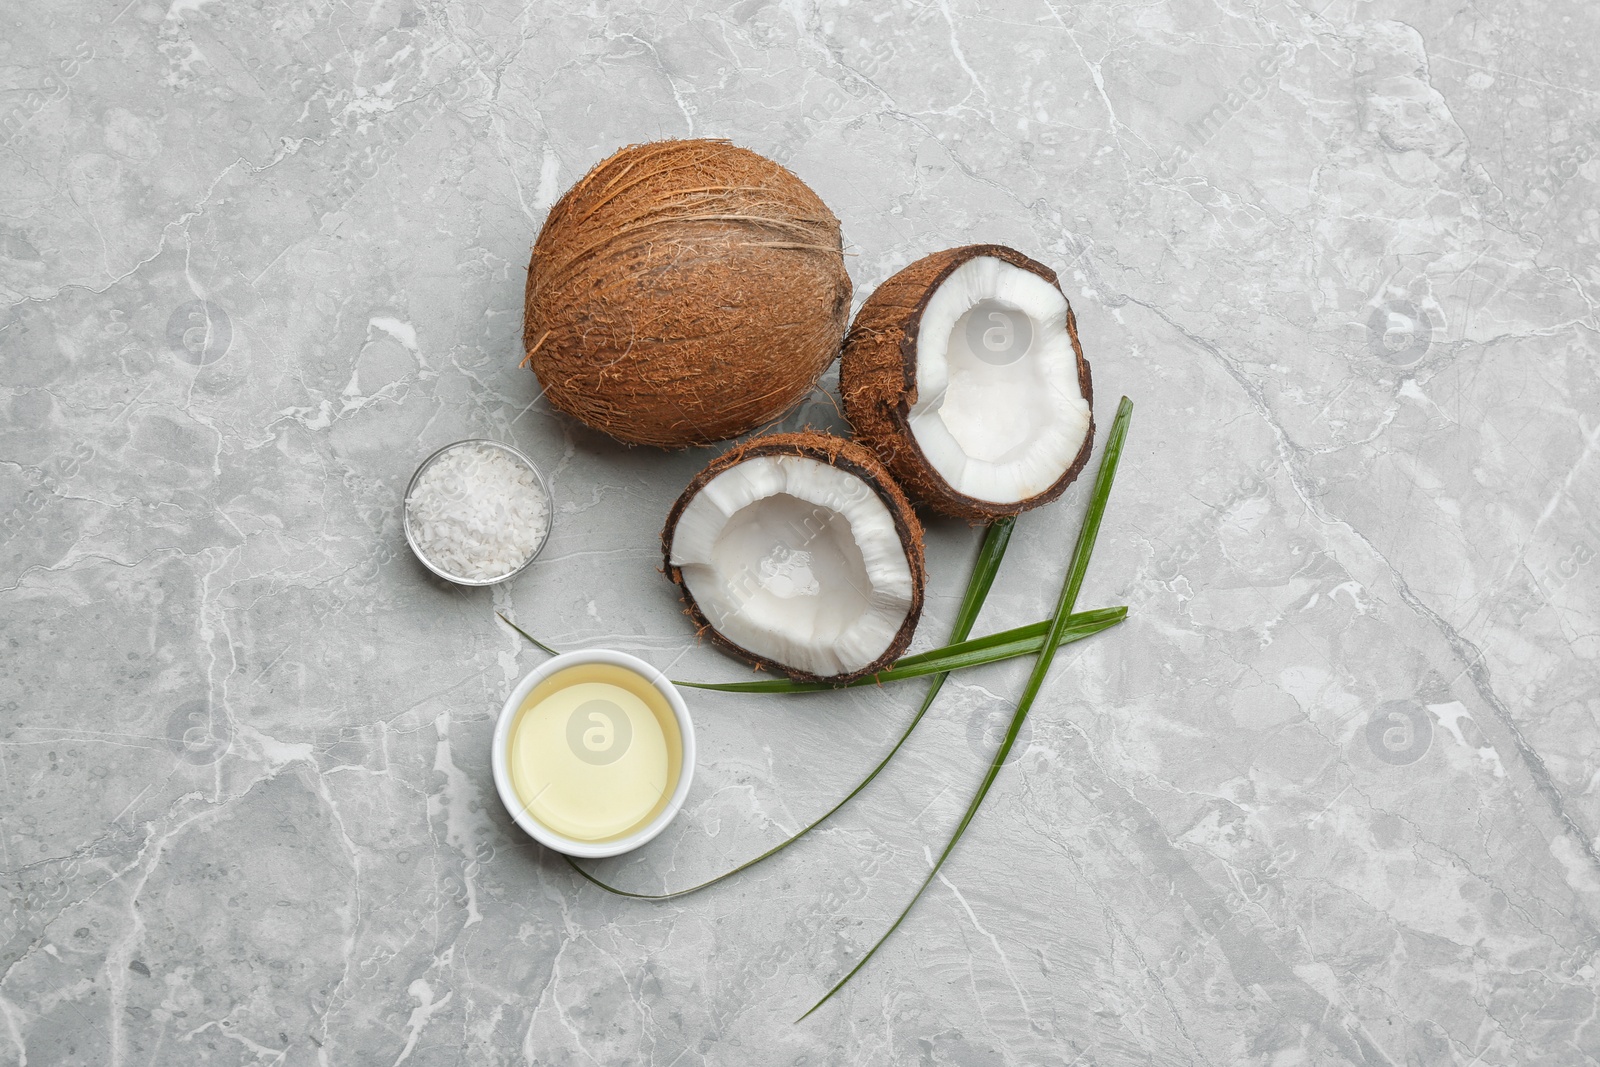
(502, 740)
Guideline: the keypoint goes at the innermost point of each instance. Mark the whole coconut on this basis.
(685, 292)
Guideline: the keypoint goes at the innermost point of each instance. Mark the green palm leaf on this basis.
(1041, 667)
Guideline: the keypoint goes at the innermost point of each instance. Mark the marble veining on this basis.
(1329, 796)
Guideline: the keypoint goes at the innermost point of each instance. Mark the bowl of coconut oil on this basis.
(593, 753)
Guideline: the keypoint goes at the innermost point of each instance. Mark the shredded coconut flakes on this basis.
(477, 512)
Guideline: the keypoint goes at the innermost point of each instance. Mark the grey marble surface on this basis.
(1330, 796)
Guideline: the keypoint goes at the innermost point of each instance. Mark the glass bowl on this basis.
(411, 534)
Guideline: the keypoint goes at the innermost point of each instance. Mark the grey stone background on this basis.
(1330, 795)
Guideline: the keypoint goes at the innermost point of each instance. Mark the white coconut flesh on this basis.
(797, 561)
(999, 412)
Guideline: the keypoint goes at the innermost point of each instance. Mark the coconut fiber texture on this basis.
(878, 381)
(847, 456)
(685, 292)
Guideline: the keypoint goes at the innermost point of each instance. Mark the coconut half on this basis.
(964, 373)
(798, 552)
(684, 292)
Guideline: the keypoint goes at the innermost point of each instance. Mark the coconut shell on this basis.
(878, 381)
(836, 452)
(685, 292)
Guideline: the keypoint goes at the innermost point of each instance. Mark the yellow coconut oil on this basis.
(595, 752)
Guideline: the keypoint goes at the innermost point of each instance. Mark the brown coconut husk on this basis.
(685, 292)
(878, 376)
(837, 452)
